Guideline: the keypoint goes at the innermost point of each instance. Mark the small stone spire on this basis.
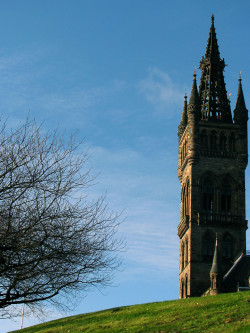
(241, 118)
(240, 102)
(194, 97)
(183, 122)
(194, 115)
(194, 101)
(215, 272)
(215, 265)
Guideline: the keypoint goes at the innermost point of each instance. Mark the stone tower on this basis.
(213, 156)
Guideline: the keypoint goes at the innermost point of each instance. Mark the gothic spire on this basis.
(183, 122)
(212, 91)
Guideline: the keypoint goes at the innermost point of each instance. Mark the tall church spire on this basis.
(213, 95)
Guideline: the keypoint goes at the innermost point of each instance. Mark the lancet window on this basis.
(226, 204)
(232, 143)
(204, 140)
(227, 246)
(183, 151)
(186, 252)
(182, 256)
(185, 200)
(186, 286)
(182, 288)
(222, 142)
(208, 198)
(207, 246)
(213, 141)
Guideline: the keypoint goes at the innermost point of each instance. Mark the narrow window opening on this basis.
(226, 200)
(227, 246)
(208, 247)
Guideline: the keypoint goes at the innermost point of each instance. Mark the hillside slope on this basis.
(222, 313)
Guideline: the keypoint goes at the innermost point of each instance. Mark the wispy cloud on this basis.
(29, 85)
(151, 211)
(160, 90)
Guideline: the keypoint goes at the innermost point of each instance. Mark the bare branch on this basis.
(53, 242)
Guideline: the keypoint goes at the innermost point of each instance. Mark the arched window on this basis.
(213, 141)
(207, 198)
(186, 286)
(227, 246)
(232, 143)
(204, 141)
(182, 288)
(185, 200)
(208, 247)
(182, 255)
(183, 207)
(222, 142)
(186, 253)
(226, 205)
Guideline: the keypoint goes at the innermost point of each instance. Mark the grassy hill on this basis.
(222, 313)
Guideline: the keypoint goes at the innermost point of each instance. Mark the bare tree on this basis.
(53, 242)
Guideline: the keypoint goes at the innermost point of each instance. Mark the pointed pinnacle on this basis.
(184, 117)
(240, 102)
(194, 97)
(212, 51)
(215, 265)
(184, 112)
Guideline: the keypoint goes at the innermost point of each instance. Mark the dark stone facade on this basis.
(213, 156)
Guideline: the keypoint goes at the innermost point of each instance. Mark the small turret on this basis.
(183, 122)
(215, 273)
(193, 109)
(240, 111)
(241, 118)
(194, 114)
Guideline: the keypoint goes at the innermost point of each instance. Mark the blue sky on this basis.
(116, 71)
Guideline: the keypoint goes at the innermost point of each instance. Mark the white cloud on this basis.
(161, 91)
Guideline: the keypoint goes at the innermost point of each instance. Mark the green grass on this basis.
(222, 313)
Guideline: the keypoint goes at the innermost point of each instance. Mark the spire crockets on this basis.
(213, 95)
